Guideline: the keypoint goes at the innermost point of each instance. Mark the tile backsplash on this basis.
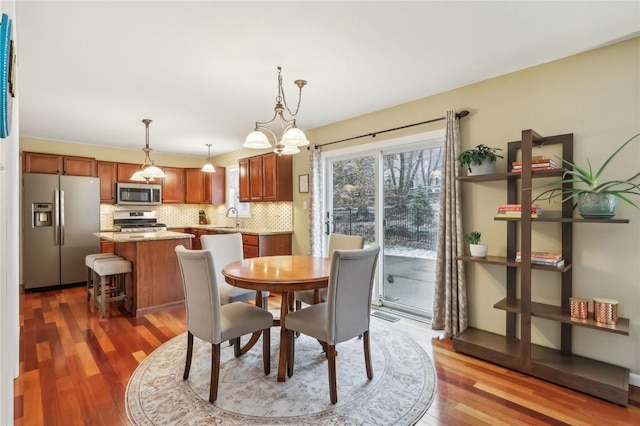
(275, 216)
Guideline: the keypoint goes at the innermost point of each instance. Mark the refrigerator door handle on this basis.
(56, 217)
(61, 218)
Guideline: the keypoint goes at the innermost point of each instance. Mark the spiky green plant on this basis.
(584, 180)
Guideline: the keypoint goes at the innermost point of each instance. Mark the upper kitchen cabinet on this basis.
(126, 170)
(266, 177)
(205, 188)
(107, 172)
(173, 186)
(35, 162)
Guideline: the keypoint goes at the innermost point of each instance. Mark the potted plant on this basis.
(594, 199)
(480, 160)
(476, 248)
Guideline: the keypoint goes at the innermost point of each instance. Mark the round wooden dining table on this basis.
(284, 275)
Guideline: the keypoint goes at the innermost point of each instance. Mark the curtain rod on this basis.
(460, 114)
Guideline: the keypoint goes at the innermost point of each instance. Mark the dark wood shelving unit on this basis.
(514, 349)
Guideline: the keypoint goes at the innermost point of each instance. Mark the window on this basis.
(233, 192)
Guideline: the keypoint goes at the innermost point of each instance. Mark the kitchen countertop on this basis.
(220, 229)
(231, 229)
(124, 237)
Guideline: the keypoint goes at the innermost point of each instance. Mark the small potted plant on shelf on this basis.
(594, 199)
(476, 248)
(480, 160)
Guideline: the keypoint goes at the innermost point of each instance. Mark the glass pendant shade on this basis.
(256, 140)
(137, 177)
(208, 168)
(294, 137)
(153, 172)
(281, 149)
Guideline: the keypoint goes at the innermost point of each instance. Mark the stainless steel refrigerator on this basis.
(60, 215)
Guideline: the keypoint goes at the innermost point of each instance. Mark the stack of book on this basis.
(538, 162)
(543, 258)
(506, 211)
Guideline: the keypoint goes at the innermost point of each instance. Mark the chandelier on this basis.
(292, 137)
(148, 170)
(208, 167)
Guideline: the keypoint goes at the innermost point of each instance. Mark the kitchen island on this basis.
(156, 280)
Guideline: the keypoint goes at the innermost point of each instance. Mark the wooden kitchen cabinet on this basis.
(173, 185)
(266, 177)
(107, 172)
(265, 245)
(244, 187)
(107, 246)
(205, 188)
(36, 162)
(125, 171)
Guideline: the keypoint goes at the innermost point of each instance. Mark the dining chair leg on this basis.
(187, 365)
(266, 350)
(215, 372)
(367, 354)
(236, 347)
(333, 388)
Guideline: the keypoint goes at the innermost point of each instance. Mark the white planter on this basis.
(478, 250)
(486, 167)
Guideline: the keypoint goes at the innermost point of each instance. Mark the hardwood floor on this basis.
(74, 369)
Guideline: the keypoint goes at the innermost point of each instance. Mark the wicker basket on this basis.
(579, 308)
(605, 311)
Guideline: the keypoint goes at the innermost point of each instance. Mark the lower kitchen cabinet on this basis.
(107, 246)
(254, 245)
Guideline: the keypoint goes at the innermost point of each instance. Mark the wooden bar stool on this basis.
(114, 282)
(88, 261)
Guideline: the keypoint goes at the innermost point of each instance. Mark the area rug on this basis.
(400, 393)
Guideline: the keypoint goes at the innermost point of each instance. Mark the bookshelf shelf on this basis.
(514, 349)
(554, 313)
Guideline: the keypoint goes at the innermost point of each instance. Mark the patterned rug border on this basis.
(395, 357)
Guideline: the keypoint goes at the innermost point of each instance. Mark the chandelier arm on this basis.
(265, 123)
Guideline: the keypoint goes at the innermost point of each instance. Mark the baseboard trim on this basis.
(634, 379)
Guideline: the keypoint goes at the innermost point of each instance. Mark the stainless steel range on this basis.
(137, 221)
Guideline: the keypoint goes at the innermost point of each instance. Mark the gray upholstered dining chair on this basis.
(336, 242)
(212, 322)
(227, 248)
(345, 314)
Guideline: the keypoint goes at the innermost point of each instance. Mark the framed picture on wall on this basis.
(303, 183)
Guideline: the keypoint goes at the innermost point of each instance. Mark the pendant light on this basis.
(292, 137)
(208, 167)
(150, 171)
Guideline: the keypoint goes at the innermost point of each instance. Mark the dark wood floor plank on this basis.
(72, 357)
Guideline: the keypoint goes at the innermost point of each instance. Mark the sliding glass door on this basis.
(390, 195)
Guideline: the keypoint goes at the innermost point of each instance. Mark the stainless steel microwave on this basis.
(138, 194)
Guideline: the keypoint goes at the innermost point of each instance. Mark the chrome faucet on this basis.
(229, 210)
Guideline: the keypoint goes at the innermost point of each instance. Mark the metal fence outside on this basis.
(403, 228)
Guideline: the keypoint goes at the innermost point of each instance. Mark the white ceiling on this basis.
(204, 72)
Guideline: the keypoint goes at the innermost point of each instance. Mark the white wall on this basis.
(9, 249)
